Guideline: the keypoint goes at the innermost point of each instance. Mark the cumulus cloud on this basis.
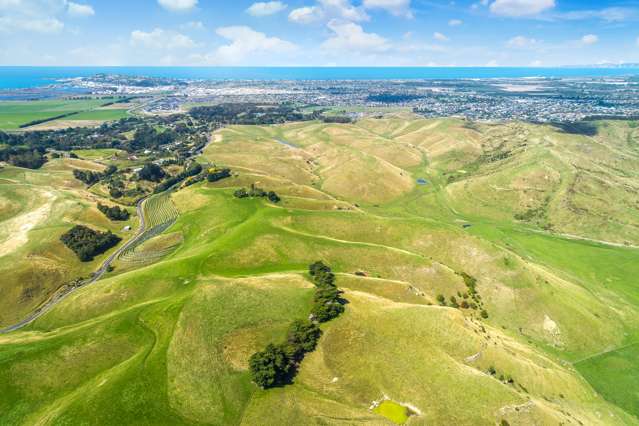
(440, 37)
(305, 15)
(80, 10)
(589, 39)
(161, 39)
(178, 5)
(518, 8)
(266, 8)
(344, 9)
(455, 22)
(348, 36)
(521, 42)
(38, 16)
(394, 7)
(246, 42)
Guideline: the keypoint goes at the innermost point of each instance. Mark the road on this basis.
(62, 294)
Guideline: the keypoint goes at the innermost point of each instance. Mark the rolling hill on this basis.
(489, 271)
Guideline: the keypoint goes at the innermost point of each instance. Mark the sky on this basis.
(318, 32)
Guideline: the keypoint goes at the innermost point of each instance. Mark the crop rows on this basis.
(159, 214)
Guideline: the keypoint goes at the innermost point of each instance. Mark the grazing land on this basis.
(501, 291)
(15, 114)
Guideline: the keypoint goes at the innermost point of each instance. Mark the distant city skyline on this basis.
(319, 32)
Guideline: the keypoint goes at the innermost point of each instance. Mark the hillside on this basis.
(540, 222)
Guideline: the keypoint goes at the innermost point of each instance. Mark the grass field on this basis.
(13, 114)
(168, 339)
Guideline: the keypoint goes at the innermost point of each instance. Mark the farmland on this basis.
(14, 114)
(528, 223)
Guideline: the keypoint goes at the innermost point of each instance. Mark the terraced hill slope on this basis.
(532, 226)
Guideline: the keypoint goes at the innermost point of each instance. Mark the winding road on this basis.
(61, 294)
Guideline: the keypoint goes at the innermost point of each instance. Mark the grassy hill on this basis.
(406, 211)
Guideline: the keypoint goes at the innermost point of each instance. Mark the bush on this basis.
(216, 175)
(114, 213)
(277, 364)
(269, 367)
(151, 172)
(87, 243)
(255, 192)
(441, 299)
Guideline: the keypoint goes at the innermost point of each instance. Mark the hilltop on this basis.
(488, 271)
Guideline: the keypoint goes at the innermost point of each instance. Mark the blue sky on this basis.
(318, 32)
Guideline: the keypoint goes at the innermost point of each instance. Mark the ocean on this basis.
(25, 77)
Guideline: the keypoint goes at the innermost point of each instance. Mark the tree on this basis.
(441, 299)
(302, 337)
(269, 367)
(151, 172)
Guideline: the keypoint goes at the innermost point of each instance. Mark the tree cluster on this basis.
(192, 170)
(151, 172)
(248, 113)
(90, 177)
(147, 137)
(215, 175)
(340, 119)
(255, 192)
(277, 364)
(114, 212)
(327, 303)
(23, 156)
(88, 243)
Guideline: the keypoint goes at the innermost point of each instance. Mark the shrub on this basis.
(276, 364)
(441, 299)
(114, 213)
(215, 175)
(484, 313)
(87, 243)
(151, 172)
(269, 367)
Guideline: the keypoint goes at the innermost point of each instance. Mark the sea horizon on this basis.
(21, 77)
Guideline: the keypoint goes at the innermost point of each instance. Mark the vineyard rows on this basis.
(159, 214)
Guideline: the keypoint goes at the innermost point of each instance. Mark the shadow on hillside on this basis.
(585, 128)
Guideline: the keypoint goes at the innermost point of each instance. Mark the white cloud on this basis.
(440, 37)
(80, 10)
(38, 16)
(493, 63)
(161, 39)
(266, 8)
(521, 42)
(343, 9)
(328, 9)
(348, 36)
(246, 42)
(455, 22)
(517, 8)
(305, 15)
(394, 7)
(39, 25)
(536, 63)
(609, 14)
(589, 39)
(178, 5)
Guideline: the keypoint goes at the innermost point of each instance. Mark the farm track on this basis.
(61, 294)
